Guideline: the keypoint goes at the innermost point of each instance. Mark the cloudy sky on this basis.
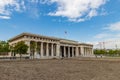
(83, 20)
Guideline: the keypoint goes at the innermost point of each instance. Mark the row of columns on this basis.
(46, 49)
(78, 51)
(70, 51)
(53, 48)
(56, 51)
(88, 51)
(85, 51)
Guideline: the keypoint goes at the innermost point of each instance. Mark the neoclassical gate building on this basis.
(51, 47)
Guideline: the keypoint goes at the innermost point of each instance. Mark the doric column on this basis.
(58, 50)
(85, 51)
(68, 51)
(47, 51)
(64, 51)
(77, 54)
(41, 50)
(82, 50)
(90, 51)
(72, 51)
(52, 50)
(79, 51)
(35, 55)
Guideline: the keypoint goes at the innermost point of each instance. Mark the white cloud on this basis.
(74, 10)
(92, 13)
(4, 17)
(77, 10)
(114, 26)
(109, 33)
(7, 6)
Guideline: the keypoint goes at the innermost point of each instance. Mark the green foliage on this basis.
(4, 47)
(33, 46)
(99, 52)
(109, 52)
(21, 48)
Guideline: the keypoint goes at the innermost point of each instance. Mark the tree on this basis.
(21, 48)
(33, 48)
(96, 51)
(103, 51)
(108, 52)
(100, 52)
(4, 47)
(118, 53)
(111, 52)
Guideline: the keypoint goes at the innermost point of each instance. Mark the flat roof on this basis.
(36, 35)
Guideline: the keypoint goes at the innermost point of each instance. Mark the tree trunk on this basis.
(33, 55)
(20, 56)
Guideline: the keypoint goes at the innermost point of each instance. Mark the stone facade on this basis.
(51, 47)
